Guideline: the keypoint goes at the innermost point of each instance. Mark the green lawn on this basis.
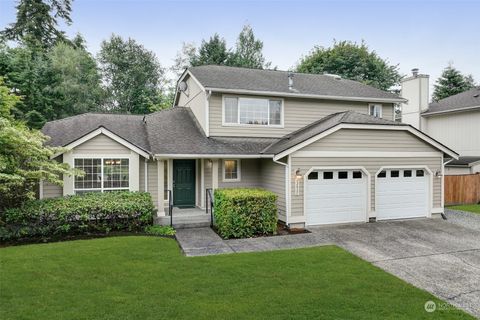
(148, 278)
(475, 208)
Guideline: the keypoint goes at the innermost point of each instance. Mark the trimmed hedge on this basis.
(243, 213)
(91, 213)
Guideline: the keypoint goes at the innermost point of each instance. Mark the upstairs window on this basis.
(375, 110)
(252, 111)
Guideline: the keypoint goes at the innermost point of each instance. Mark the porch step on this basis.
(185, 221)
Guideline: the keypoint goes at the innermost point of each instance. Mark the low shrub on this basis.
(157, 230)
(242, 213)
(91, 213)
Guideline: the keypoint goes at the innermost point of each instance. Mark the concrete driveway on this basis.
(440, 257)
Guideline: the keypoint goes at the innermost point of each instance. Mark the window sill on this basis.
(252, 125)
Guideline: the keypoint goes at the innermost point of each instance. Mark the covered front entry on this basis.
(402, 193)
(336, 196)
(184, 183)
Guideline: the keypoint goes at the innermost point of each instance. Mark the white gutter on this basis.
(433, 113)
(213, 156)
(304, 95)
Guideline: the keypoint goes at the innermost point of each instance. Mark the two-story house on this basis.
(328, 147)
(453, 121)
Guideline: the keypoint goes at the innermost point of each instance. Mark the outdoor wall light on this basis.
(298, 178)
(438, 174)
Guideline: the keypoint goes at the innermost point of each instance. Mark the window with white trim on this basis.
(252, 111)
(375, 110)
(101, 174)
(231, 170)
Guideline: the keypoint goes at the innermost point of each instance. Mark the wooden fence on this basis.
(462, 189)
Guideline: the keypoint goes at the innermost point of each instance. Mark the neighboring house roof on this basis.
(322, 125)
(274, 82)
(464, 162)
(464, 101)
(65, 131)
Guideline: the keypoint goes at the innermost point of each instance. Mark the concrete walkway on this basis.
(435, 255)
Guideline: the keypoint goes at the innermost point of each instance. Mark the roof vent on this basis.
(415, 72)
(334, 76)
(290, 80)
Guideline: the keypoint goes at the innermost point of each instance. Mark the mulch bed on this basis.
(282, 230)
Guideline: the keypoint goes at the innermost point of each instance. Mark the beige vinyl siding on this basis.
(195, 99)
(51, 190)
(273, 179)
(297, 114)
(152, 183)
(250, 175)
(370, 140)
(101, 144)
(372, 165)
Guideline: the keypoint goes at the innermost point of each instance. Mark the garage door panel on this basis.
(336, 200)
(401, 197)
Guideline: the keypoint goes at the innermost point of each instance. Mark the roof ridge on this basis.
(94, 113)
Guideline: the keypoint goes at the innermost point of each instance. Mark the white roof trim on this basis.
(304, 95)
(432, 113)
(109, 134)
(211, 156)
(410, 129)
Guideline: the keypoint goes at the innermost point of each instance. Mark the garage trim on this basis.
(430, 193)
(363, 169)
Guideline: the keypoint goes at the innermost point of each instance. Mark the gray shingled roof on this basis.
(463, 162)
(324, 124)
(274, 81)
(461, 101)
(129, 127)
(175, 131)
(172, 131)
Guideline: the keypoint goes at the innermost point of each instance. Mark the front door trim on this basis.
(184, 193)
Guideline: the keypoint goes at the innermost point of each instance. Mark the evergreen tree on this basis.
(451, 82)
(213, 51)
(37, 22)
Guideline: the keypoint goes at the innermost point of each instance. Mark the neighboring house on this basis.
(453, 121)
(328, 147)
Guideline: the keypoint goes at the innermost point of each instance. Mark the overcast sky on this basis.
(427, 34)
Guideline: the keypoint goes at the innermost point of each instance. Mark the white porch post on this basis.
(68, 179)
(161, 178)
(215, 174)
(202, 183)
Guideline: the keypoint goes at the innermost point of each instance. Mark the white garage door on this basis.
(336, 196)
(402, 193)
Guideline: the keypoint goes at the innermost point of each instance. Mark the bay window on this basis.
(101, 174)
(252, 111)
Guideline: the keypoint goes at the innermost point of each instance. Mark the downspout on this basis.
(287, 187)
(207, 112)
(444, 217)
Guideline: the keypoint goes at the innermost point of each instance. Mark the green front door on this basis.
(184, 183)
